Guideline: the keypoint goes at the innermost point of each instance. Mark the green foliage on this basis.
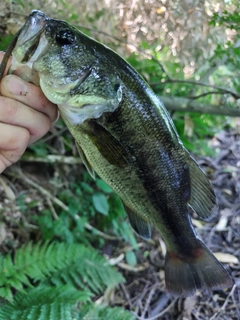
(44, 303)
(55, 264)
(5, 41)
(229, 19)
(87, 202)
(56, 281)
(101, 312)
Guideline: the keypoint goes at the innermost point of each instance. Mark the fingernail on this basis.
(17, 86)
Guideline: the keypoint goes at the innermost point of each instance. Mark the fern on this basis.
(48, 276)
(44, 303)
(58, 304)
(90, 312)
(58, 264)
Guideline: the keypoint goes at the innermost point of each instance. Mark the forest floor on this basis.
(144, 290)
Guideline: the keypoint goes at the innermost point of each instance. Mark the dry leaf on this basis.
(8, 191)
(198, 224)
(222, 224)
(3, 232)
(226, 257)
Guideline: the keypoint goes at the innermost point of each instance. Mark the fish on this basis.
(125, 135)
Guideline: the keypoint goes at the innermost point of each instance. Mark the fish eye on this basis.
(65, 37)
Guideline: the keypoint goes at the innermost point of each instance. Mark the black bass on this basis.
(125, 135)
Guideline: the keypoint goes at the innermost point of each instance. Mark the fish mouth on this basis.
(31, 43)
(30, 35)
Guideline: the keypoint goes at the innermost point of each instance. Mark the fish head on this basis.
(68, 67)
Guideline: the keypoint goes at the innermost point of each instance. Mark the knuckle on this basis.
(41, 129)
(45, 127)
(20, 142)
(10, 107)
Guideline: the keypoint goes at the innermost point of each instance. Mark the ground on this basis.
(144, 289)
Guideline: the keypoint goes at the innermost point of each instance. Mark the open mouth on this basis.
(26, 41)
(30, 35)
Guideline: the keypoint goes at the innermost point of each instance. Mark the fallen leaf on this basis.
(198, 224)
(222, 224)
(3, 232)
(8, 191)
(226, 257)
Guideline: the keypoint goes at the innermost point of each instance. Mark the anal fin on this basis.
(202, 199)
(139, 225)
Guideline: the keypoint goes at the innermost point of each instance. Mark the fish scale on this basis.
(124, 134)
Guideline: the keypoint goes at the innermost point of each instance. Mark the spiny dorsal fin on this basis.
(202, 199)
(139, 225)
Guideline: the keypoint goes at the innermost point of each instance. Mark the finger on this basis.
(29, 94)
(15, 113)
(13, 143)
(8, 63)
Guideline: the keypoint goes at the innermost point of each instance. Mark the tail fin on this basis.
(184, 275)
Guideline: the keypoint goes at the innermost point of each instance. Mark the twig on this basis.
(62, 205)
(52, 158)
(149, 299)
(42, 191)
(142, 296)
(114, 261)
(53, 135)
(54, 213)
(158, 316)
(204, 94)
(196, 83)
(127, 295)
(127, 267)
(225, 303)
(100, 233)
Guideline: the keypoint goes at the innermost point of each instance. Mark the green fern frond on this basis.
(58, 264)
(44, 304)
(91, 311)
(87, 269)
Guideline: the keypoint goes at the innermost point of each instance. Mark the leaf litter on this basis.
(221, 236)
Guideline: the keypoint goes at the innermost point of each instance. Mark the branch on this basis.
(204, 94)
(51, 158)
(196, 83)
(184, 104)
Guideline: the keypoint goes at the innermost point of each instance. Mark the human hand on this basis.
(25, 116)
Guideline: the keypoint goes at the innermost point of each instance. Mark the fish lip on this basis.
(31, 34)
(30, 44)
(35, 25)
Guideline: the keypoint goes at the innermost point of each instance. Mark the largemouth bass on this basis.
(124, 134)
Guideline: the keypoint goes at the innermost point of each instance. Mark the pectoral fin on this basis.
(139, 225)
(109, 147)
(202, 199)
(85, 161)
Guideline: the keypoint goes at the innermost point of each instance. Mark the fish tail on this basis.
(201, 270)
